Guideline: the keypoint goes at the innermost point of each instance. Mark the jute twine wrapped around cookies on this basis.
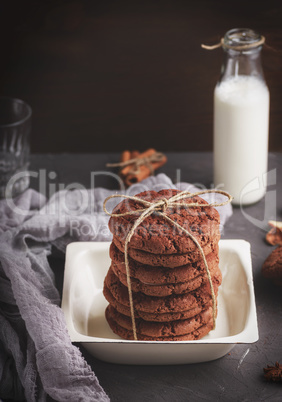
(161, 206)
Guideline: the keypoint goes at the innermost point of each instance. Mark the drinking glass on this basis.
(15, 127)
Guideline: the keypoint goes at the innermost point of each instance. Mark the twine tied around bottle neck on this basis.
(246, 46)
(161, 206)
(137, 162)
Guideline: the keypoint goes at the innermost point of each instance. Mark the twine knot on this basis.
(161, 207)
(164, 204)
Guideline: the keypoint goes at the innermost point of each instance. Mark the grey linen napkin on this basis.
(36, 355)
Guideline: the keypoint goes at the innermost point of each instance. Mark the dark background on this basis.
(110, 75)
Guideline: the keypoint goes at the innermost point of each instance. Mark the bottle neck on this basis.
(242, 48)
(241, 63)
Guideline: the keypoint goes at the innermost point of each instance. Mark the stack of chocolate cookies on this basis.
(171, 292)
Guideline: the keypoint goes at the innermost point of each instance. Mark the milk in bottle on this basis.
(241, 115)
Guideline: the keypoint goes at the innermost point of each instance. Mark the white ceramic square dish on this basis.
(84, 306)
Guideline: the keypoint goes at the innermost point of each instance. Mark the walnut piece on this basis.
(274, 236)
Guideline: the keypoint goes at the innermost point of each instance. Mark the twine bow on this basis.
(137, 162)
(161, 207)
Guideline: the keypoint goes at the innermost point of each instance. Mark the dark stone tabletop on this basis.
(238, 376)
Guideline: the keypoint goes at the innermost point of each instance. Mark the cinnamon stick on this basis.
(135, 167)
(128, 168)
(134, 154)
(143, 171)
(125, 156)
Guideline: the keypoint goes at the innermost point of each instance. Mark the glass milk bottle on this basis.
(241, 115)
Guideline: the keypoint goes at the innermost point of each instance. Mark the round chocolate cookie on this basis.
(148, 274)
(159, 236)
(155, 316)
(272, 267)
(128, 334)
(159, 329)
(168, 260)
(169, 288)
(168, 304)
